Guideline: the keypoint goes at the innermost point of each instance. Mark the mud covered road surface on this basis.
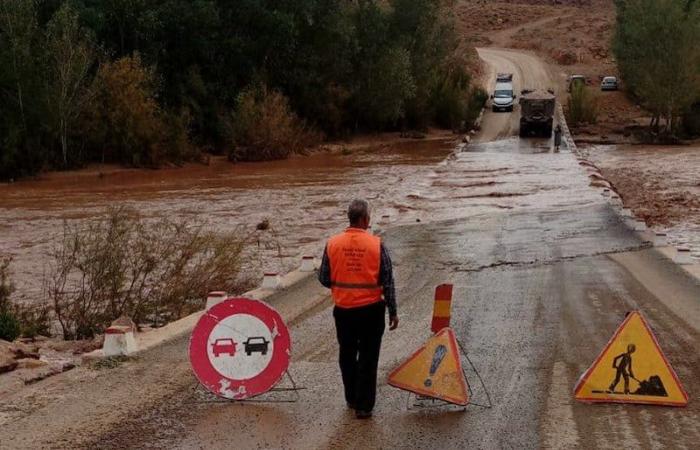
(543, 273)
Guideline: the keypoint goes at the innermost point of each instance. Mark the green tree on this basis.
(658, 55)
(20, 83)
(19, 26)
(124, 119)
(387, 85)
(438, 62)
(71, 54)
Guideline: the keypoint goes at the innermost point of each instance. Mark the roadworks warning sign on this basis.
(435, 370)
(631, 369)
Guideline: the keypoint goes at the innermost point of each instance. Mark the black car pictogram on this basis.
(256, 344)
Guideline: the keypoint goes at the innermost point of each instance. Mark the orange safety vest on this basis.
(354, 259)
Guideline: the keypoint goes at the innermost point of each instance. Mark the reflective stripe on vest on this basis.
(354, 257)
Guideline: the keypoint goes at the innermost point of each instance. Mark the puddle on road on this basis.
(304, 198)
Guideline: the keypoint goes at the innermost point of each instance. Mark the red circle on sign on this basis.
(207, 347)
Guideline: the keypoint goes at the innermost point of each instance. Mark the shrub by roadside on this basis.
(477, 99)
(121, 264)
(583, 106)
(15, 319)
(152, 271)
(9, 325)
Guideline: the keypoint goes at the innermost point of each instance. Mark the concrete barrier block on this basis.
(271, 280)
(683, 256)
(119, 341)
(307, 264)
(626, 212)
(660, 239)
(214, 298)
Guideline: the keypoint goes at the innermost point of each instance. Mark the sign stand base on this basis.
(481, 381)
(422, 402)
(269, 396)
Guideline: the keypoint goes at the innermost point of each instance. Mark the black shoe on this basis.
(360, 414)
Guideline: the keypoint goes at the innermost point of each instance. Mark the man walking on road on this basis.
(357, 268)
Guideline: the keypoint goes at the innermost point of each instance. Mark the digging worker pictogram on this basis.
(357, 268)
(623, 366)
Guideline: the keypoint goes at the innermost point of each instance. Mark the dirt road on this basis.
(541, 283)
(528, 73)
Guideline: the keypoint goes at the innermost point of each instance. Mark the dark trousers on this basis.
(360, 333)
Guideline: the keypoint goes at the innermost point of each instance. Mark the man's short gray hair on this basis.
(357, 210)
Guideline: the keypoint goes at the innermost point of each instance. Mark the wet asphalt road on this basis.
(540, 285)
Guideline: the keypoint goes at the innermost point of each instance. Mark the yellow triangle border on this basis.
(582, 380)
(464, 401)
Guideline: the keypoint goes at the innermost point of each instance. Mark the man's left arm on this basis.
(324, 272)
(386, 279)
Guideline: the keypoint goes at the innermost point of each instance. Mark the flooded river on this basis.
(660, 183)
(304, 198)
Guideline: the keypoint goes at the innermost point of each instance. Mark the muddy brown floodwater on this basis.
(661, 184)
(304, 198)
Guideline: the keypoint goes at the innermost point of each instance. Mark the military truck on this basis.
(536, 112)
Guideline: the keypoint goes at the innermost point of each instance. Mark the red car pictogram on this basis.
(223, 346)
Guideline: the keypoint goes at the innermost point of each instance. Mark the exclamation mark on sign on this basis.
(438, 356)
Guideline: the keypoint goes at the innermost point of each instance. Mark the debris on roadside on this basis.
(111, 362)
(53, 369)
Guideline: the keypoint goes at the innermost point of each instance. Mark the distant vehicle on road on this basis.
(537, 113)
(223, 346)
(503, 98)
(256, 344)
(504, 78)
(608, 84)
(574, 80)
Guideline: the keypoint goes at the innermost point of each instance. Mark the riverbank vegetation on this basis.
(582, 107)
(656, 46)
(144, 82)
(121, 264)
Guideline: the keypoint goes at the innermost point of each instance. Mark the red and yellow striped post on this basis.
(442, 307)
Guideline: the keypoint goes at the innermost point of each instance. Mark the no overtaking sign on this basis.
(240, 348)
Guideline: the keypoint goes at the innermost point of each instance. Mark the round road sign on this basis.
(240, 348)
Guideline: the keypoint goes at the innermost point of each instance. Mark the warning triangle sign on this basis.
(435, 370)
(631, 369)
